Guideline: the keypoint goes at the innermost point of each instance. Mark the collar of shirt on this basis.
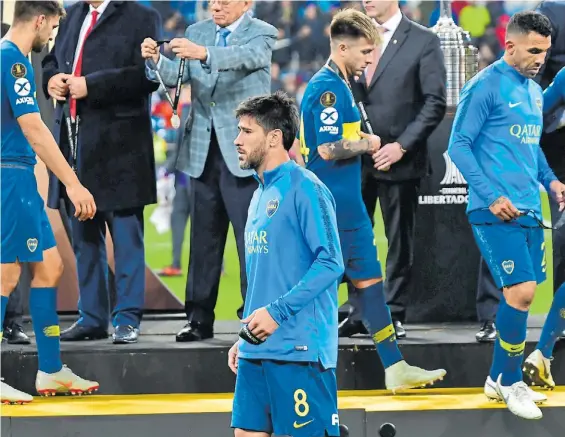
(392, 23)
(273, 175)
(232, 27)
(100, 9)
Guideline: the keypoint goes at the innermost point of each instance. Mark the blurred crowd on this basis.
(303, 40)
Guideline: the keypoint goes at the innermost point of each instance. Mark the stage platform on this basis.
(428, 413)
(157, 364)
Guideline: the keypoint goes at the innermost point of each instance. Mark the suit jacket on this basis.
(115, 158)
(234, 73)
(406, 99)
(555, 11)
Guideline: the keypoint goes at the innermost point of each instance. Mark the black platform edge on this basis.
(460, 423)
(153, 367)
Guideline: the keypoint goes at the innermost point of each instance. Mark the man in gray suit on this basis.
(228, 60)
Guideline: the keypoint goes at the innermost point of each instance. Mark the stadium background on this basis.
(301, 50)
(303, 27)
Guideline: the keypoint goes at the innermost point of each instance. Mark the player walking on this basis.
(495, 145)
(331, 145)
(26, 233)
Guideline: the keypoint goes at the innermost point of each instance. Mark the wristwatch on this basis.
(402, 149)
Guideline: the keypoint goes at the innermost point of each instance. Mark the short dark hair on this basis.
(529, 21)
(272, 111)
(351, 23)
(26, 10)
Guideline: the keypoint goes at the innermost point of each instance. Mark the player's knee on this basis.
(10, 278)
(49, 272)
(238, 432)
(521, 296)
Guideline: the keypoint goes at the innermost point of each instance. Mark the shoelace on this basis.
(521, 392)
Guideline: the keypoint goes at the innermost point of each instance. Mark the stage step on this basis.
(158, 364)
(426, 413)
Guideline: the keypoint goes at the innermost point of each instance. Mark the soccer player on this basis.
(537, 367)
(26, 232)
(495, 145)
(287, 384)
(331, 145)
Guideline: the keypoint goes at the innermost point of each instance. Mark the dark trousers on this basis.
(89, 244)
(398, 202)
(558, 237)
(218, 199)
(553, 147)
(15, 308)
(488, 295)
(179, 218)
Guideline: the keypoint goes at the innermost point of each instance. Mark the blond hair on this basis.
(351, 23)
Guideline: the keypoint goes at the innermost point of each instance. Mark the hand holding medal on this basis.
(148, 50)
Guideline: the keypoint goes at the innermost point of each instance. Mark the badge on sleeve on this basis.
(328, 99)
(18, 70)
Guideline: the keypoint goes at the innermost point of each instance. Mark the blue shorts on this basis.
(26, 231)
(513, 251)
(360, 253)
(285, 398)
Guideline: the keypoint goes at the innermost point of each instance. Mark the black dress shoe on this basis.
(399, 329)
(349, 328)
(125, 334)
(14, 334)
(195, 331)
(82, 333)
(487, 333)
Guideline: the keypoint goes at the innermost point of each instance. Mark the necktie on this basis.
(223, 39)
(78, 68)
(378, 52)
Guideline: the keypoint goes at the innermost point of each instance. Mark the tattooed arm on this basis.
(345, 149)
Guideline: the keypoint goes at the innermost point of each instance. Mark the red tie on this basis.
(78, 68)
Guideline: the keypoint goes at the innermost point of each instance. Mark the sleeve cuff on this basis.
(275, 312)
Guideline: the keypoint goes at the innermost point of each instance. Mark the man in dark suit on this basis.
(553, 139)
(95, 64)
(405, 95)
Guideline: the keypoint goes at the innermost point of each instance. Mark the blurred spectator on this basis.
(115, 161)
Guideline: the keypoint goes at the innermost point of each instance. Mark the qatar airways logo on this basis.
(256, 242)
(526, 133)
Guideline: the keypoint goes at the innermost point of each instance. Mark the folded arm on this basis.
(315, 209)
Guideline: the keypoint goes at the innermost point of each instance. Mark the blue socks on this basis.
(554, 324)
(43, 310)
(512, 326)
(4, 306)
(376, 316)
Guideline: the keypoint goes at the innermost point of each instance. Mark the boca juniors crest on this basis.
(272, 206)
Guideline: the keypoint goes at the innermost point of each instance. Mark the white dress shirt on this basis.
(390, 27)
(85, 25)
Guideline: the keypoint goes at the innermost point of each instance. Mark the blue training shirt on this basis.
(18, 98)
(554, 104)
(293, 261)
(495, 139)
(328, 114)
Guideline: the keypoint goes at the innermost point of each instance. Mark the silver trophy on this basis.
(460, 56)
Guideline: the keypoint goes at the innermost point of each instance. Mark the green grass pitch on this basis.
(158, 249)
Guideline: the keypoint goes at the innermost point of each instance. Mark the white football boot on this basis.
(518, 400)
(491, 393)
(10, 395)
(402, 376)
(63, 382)
(537, 370)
